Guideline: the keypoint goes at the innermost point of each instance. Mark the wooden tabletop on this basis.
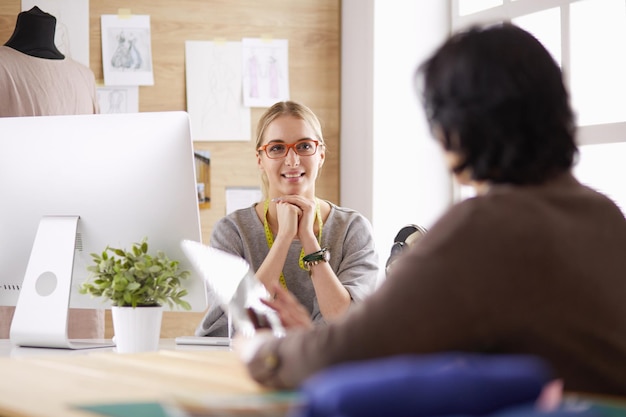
(52, 385)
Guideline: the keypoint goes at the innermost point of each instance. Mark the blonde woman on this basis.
(315, 258)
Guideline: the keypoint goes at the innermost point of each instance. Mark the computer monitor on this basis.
(123, 176)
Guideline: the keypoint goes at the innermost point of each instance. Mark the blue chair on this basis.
(448, 384)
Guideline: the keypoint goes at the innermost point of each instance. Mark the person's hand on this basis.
(288, 216)
(291, 312)
(551, 396)
(306, 214)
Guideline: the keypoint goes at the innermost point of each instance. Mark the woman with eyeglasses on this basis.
(315, 258)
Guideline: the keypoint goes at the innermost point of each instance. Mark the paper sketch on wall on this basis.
(71, 36)
(118, 99)
(265, 71)
(126, 50)
(214, 92)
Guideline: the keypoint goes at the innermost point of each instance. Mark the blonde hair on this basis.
(286, 108)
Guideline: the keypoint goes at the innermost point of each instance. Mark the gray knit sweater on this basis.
(347, 235)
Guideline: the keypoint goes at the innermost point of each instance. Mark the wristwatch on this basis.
(315, 258)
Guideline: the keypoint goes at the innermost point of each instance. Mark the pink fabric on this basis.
(32, 86)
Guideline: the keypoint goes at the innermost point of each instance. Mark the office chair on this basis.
(407, 236)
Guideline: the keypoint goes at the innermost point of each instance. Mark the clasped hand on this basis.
(295, 215)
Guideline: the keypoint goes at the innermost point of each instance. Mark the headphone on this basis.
(408, 235)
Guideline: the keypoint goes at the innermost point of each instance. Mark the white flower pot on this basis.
(137, 329)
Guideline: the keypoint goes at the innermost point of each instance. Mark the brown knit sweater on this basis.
(535, 269)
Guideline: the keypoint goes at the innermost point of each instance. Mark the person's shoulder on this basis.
(345, 220)
(508, 206)
(236, 223)
(344, 213)
(337, 209)
(468, 210)
(481, 217)
(599, 199)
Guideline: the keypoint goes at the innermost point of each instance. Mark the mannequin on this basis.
(34, 34)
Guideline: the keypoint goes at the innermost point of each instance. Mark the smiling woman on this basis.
(281, 235)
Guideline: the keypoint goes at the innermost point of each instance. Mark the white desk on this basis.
(9, 350)
(52, 382)
(36, 382)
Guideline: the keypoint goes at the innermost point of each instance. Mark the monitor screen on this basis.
(125, 176)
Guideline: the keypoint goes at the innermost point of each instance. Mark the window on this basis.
(467, 7)
(588, 39)
(545, 26)
(598, 60)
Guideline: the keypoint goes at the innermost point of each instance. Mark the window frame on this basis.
(510, 9)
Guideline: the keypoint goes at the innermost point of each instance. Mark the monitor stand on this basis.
(41, 312)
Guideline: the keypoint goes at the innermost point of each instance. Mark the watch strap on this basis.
(315, 258)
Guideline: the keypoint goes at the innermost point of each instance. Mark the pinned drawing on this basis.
(118, 99)
(265, 71)
(214, 92)
(126, 50)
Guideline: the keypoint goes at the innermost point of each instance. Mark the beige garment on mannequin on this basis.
(31, 86)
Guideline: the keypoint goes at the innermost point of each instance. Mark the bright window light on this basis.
(598, 60)
(546, 27)
(472, 6)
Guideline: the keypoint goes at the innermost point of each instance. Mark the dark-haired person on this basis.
(534, 264)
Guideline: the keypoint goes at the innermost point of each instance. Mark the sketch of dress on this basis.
(274, 75)
(126, 55)
(253, 72)
(116, 99)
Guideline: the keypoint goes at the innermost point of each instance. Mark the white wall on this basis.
(391, 169)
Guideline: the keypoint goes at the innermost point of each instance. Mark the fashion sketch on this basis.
(126, 50)
(214, 91)
(265, 72)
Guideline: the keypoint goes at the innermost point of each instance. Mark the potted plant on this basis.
(138, 285)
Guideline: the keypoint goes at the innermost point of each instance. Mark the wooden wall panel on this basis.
(313, 30)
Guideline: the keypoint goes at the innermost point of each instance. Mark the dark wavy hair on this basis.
(499, 99)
